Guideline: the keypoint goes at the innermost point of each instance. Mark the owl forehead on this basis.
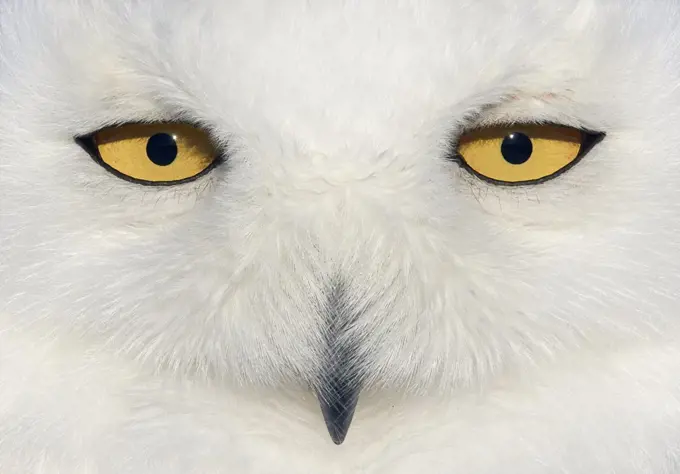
(333, 68)
(326, 52)
(330, 74)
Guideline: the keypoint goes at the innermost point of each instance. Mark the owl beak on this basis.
(338, 400)
(339, 382)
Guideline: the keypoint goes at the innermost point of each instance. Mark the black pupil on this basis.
(517, 148)
(161, 149)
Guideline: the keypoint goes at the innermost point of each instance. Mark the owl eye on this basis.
(523, 154)
(153, 154)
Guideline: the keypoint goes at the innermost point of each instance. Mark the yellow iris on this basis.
(523, 153)
(164, 153)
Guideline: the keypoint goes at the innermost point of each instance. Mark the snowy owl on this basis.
(339, 237)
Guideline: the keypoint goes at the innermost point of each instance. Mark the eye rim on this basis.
(590, 139)
(88, 144)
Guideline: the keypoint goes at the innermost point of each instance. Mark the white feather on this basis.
(176, 330)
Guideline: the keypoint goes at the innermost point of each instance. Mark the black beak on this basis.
(338, 398)
(339, 384)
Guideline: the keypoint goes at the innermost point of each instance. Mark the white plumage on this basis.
(180, 329)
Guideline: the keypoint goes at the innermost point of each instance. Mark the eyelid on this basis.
(473, 126)
(513, 106)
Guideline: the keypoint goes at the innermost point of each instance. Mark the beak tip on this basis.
(338, 416)
(337, 437)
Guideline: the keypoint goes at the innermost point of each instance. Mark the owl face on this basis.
(411, 196)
